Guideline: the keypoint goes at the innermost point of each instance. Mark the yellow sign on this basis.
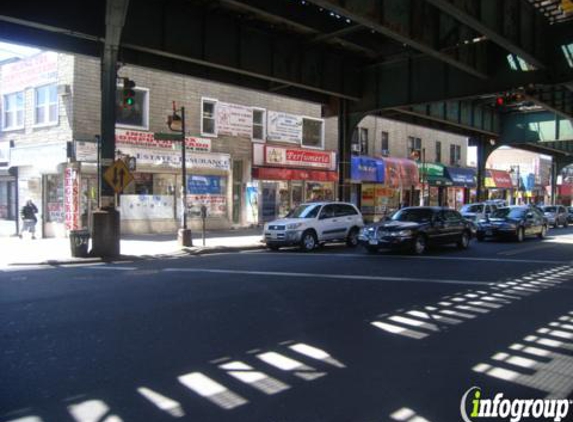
(118, 176)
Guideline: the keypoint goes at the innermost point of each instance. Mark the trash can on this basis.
(79, 242)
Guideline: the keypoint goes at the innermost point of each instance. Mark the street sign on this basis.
(118, 176)
(161, 136)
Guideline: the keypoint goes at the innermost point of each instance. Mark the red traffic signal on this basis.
(499, 101)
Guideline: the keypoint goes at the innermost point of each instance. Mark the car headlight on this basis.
(293, 226)
(404, 233)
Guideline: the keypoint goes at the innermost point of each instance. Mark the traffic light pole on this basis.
(184, 234)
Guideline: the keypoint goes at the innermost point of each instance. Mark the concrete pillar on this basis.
(481, 159)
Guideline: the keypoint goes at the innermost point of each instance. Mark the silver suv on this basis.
(315, 223)
(556, 215)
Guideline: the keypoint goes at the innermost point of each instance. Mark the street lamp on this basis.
(176, 123)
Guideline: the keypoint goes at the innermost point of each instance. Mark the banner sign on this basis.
(367, 169)
(234, 120)
(72, 198)
(294, 157)
(284, 127)
(41, 69)
(203, 185)
(147, 140)
(172, 159)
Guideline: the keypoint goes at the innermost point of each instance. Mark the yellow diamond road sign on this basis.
(118, 176)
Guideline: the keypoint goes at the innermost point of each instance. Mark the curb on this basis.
(186, 251)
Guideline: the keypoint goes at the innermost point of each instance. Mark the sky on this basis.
(8, 51)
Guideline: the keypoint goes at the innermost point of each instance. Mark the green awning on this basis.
(431, 169)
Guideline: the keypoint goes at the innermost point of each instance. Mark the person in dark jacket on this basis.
(29, 219)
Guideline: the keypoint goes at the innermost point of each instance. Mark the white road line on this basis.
(330, 276)
(113, 267)
(427, 257)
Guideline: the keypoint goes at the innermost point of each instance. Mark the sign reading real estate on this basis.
(234, 120)
(284, 127)
(37, 70)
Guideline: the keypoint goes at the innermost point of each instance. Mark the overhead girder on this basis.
(536, 127)
(514, 25)
(418, 25)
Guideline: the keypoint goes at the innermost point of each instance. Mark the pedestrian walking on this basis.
(29, 219)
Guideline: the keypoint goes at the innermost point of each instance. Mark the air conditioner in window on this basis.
(355, 147)
(385, 152)
(64, 89)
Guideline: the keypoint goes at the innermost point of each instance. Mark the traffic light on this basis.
(508, 98)
(128, 93)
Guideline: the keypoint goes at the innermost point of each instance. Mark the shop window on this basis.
(258, 124)
(438, 152)
(54, 198)
(455, 155)
(210, 191)
(46, 105)
(208, 117)
(312, 133)
(13, 117)
(319, 191)
(414, 148)
(142, 184)
(385, 150)
(136, 115)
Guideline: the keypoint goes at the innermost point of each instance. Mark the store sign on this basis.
(430, 169)
(293, 157)
(216, 205)
(41, 69)
(44, 157)
(367, 169)
(172, 159)
(202, 185)
(284, 127)
(72, 198)
(86, 151)
(234, 120)
(147, 140)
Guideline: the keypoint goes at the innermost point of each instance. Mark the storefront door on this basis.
(237, 185)
(269, 206)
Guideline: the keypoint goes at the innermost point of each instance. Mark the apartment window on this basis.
(136, 115)
(455, 154)
(13, 111)
(312, 133)
(208, 117)
(385, 144)
(414, 147)
(363, 141)
(258, 124)
(46, 105)
(438, 152)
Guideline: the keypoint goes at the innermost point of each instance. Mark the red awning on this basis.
(400, 172)
(566, 190)
(502, 179)
(274, 173)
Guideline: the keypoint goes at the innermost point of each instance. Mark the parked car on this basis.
(557, 215)
(570, 215)
(415, 228)
(497, 202)
(515, 222)
(312, 224)
(477, 211)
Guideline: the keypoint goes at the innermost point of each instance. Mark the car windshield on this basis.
(414, 215)
(508, 213)
(550, 209)
(472, 208)
(304, 211)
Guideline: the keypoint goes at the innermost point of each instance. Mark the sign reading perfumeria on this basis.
(514, 410)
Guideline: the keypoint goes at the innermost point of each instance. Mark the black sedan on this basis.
(415, 228)
(513, 222)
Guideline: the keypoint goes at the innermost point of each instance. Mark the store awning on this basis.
(274, 173)
(462, 177)
(434, 174)
(400, 172)
(367, 169)
(438, 181)
(499, 178)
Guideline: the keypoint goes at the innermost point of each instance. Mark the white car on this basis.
(313, 224)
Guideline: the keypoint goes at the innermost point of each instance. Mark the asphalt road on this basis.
(335, 335)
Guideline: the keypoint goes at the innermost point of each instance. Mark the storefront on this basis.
(284, 177)
(463, 180)
(8, 206)
(152, 202)
(498, 184)
(434, 183)
(384, 185)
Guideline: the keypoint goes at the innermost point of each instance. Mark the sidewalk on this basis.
(16, 251)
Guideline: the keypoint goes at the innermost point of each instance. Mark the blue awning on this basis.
(462, 177)
(367, 169)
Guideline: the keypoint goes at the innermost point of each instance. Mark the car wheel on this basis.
(273, 247)
(543, 232)
(464, 241)
(480, 237)
(520, 234)
(565, 224)
(419, 245)
(308, 241)
(352, 239)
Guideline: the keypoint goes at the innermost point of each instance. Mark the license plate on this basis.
(488, 232)
(373, 242)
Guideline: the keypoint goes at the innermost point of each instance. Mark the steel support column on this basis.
(346, 124)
